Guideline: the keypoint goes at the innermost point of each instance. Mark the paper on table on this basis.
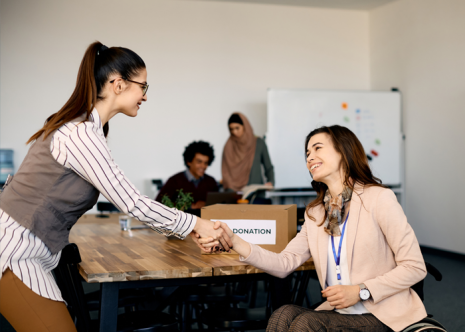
(247, 190)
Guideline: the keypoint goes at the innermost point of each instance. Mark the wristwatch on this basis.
(364, 292)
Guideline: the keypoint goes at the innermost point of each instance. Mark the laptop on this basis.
(222, 198)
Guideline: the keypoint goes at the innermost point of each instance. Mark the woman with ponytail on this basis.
(366, 254)
(66, 168)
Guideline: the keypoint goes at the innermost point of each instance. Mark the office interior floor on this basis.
(444, 300)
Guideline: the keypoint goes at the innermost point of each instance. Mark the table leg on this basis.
(109, 306)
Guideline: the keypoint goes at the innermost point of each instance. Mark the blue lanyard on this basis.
(338, 257)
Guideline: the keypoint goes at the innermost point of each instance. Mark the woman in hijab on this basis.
(243, 155)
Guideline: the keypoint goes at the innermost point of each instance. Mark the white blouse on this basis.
(331, 275)
(82, 147)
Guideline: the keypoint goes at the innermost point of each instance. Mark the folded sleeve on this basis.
(296, 253)
(89, 156)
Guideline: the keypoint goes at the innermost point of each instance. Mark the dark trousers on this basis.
(292, 318)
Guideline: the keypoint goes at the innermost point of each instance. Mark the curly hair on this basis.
(201, 147)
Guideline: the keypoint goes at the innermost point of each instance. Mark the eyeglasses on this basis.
(144, 86)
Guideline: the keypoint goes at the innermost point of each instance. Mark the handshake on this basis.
(212, 236)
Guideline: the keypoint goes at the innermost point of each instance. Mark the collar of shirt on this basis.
(192, 179)
(95, 117)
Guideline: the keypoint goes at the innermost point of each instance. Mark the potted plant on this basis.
(183, 200)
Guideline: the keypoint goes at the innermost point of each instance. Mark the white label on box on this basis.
(253, 231)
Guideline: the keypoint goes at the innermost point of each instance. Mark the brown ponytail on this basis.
(96, 66)
(81, 101)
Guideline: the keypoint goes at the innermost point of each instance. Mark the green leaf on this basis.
(167, 201)
(184, 200)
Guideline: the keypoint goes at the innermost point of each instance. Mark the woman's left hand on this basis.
(342, 296)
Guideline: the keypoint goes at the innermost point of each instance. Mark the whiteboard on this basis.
(375, 117)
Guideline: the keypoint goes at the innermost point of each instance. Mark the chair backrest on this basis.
(158, 183)
(69, 282)
(290, 290)
(418, 287)
(299, 289)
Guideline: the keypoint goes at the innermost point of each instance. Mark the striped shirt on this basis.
(82, 147)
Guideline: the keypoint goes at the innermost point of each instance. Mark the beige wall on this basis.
(419, 47)
(205, 60)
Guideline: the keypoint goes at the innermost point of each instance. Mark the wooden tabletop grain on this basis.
(109, 254)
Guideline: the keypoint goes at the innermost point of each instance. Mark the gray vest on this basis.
(46, 197)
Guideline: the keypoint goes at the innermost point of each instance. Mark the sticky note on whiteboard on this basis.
(253, 231)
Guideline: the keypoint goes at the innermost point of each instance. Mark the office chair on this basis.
(157, 183)
(105, 207)
(246, 319)
(427, 324)
(195, 299)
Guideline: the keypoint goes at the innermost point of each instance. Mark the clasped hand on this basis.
(342, 296)
(209, 235)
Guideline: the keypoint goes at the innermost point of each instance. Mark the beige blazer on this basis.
(382, 252)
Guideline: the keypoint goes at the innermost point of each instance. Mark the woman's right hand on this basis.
(215, 245)
(207, 231)
(240, 246)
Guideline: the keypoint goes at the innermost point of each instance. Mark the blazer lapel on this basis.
(355, 206)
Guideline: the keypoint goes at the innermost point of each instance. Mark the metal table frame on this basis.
(110, 290)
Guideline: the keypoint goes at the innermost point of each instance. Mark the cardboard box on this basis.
(257, 223)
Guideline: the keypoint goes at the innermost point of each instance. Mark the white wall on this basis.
(205, 60)
(419, 47)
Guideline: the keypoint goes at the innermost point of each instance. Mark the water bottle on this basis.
(6, 164)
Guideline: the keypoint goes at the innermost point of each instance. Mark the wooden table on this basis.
(142, 258)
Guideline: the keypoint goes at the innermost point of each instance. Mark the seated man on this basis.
(197, 157)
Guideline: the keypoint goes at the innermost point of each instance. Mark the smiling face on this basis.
(323, 161)
(236, 129)
(131, 96)
(198, 165)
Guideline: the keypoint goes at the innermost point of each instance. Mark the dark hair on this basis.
(354, 163)
(235, 118)
(201, 147)
(98, 63)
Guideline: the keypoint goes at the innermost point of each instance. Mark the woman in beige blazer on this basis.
(379, 257)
